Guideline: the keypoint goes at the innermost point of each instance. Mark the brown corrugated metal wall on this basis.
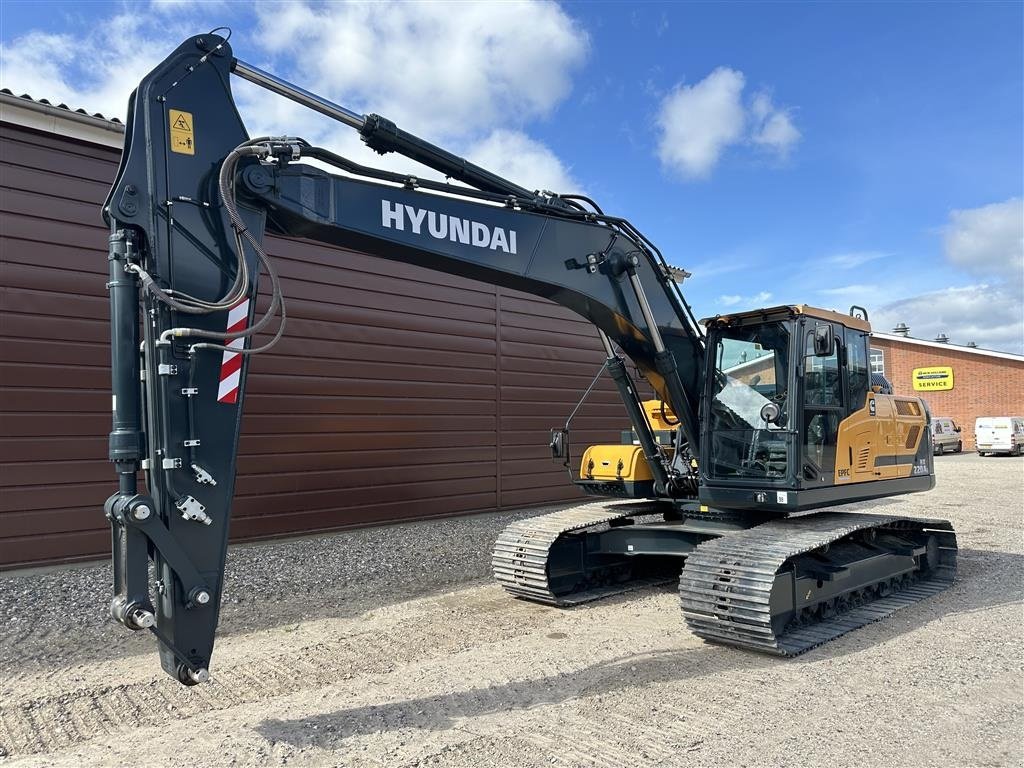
(397, 393)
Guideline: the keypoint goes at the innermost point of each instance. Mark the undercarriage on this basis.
(780, 587)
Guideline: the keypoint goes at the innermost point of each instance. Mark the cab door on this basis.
(824, 406)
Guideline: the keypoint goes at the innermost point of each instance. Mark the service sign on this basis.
(937, 378)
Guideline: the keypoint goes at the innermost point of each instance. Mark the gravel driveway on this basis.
(389, 647)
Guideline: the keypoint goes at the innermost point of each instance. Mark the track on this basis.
(726, 585)
(521, 558)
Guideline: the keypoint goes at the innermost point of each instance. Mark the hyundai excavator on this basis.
(761, 422)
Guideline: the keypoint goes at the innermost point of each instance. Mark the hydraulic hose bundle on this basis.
(261, 148)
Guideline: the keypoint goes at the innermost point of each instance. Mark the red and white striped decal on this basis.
(231, 365)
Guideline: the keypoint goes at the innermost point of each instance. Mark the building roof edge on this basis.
(60, 119)
(948, 347)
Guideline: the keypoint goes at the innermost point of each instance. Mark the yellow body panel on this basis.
(615, 462)
(888, 428)
(654, 410)
(627, 462)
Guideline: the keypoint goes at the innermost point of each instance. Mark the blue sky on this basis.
(824, 153)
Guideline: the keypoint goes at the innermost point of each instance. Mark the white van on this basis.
(999, 434)
(945, 436)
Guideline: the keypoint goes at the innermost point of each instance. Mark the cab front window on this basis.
(749, 403)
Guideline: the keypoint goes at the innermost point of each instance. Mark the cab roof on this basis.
(786, 311)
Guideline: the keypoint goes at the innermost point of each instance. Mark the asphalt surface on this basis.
(390, 647)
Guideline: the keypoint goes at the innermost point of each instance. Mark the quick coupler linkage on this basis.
(131, 605)
(135, 528)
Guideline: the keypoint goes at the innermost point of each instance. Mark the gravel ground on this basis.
(266, 584)
(389, 647)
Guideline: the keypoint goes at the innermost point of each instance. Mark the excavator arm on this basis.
(187, 213)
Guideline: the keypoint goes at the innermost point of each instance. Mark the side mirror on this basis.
(559, 443)
(824, 341)
(956, 429)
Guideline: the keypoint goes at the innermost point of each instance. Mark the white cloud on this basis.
(436, 69)
(856, 291)
(990, 315)
(772, 127)
(697, 123)
(34, 64)
(177, 7)
(745, 302)
(988, 241)
(855, 258)
(442, 75)
(454, 76)
(520, 159)
(95, 71)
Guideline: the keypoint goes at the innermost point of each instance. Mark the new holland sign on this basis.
(933, 378)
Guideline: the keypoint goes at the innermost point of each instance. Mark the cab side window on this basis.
(858, 375)
(823, 411)
(823, 384)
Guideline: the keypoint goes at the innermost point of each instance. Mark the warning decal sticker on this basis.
(183, 139)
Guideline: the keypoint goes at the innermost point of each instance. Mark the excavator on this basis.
(761, 423)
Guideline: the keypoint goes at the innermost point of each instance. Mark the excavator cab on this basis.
(791, 421)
